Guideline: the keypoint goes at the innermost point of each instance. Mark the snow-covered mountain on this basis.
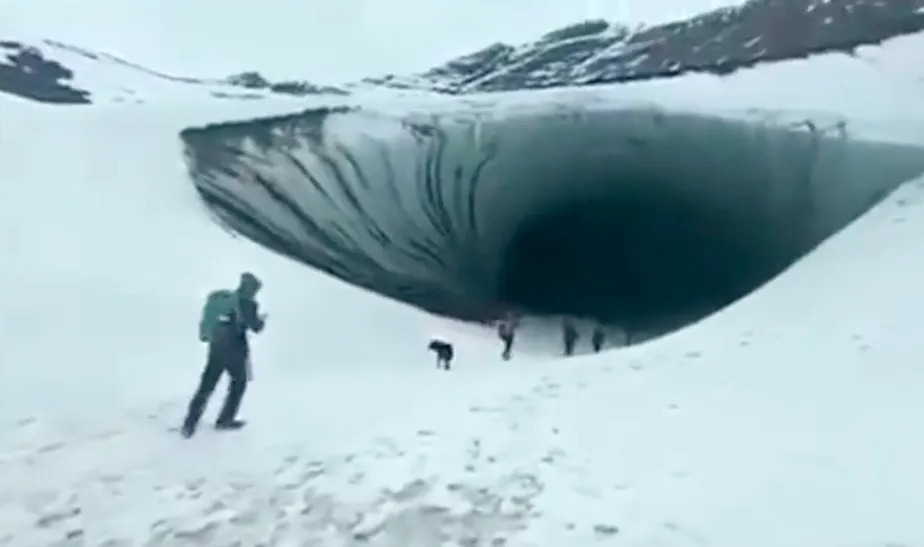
(586, 53)
(49, 71)
(718, 42)
(776, 175)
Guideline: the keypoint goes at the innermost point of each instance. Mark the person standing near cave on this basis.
(506, 329)
(570, 335)
(598, 338)
(226, 319)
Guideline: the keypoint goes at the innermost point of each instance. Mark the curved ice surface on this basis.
(647, 217)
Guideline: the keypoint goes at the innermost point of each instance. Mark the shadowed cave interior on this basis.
(635, 260)
(637, 218)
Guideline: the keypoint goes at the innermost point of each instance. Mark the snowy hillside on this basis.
(767, 177)
(592, 52)
(52, 72)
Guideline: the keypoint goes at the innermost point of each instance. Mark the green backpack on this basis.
(220, 306)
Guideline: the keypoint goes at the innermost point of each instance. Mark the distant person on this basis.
(570, 336)
(598, 338)
(506, 330)
(444, 353)
(226, 318)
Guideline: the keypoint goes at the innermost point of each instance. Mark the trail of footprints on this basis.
(303, 502)
(469, 510)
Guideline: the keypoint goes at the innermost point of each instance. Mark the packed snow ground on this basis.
(108, 255)
(790, 419)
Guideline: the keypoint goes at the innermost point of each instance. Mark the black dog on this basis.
(443, 351)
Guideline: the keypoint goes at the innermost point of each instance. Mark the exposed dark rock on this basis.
(25, 72)
(28, 72)
(255, 80)
(718, 42)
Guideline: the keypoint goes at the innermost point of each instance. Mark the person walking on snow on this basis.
(226, 318)
(570, 335)
(506, 330)
(598, 338)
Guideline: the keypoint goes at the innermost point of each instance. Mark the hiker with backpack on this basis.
(226, 318)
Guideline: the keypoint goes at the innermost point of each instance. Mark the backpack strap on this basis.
(239, 321)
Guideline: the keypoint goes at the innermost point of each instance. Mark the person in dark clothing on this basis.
(506, 331)
(444, 353)
(570, 335)
(598, 338)
(228, 352)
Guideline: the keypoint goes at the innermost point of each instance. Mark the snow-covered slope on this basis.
(718, 42)
(591, 52)
(103, 276)
(54, 72)
(787, 419)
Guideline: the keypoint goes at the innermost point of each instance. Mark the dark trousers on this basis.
(508, 345)
(570, 341)
(230, 360)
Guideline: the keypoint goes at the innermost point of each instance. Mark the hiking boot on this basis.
(230, 425)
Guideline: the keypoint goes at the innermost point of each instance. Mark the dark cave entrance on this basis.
(639, 260)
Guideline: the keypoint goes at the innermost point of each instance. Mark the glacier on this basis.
(642, 216)
(630, 210)
(787, 418)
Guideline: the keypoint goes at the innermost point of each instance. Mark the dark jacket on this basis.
(232, 335)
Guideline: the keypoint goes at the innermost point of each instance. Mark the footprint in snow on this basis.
(862, 345)
(553, 455)
(485, 409)
(201, 535)
(52, 447)
(287, 464)
(409, 491)
(54, 518)
(109, 479)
